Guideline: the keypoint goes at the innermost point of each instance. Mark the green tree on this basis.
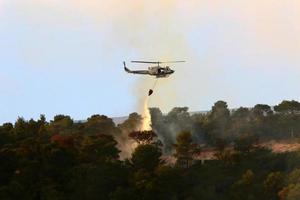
(292, 190)
(185, 149)
(143, 137)
(243, 189)
(217, 122)
(100, 124)
(146, 157)
(272, 184)
(21, 128)
(99, 148)
(290, 111)
(97, 181)
(245, 143)
(61, 124)
(288, 107)
(6, 134)
(239, 122)
(99, 172)
(262, 109)
(132, 123)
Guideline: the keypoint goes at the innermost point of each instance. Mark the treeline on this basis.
(262, 122)
(63, 159)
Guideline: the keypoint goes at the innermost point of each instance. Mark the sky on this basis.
(65, 56)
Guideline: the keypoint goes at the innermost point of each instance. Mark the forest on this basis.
(97, 159)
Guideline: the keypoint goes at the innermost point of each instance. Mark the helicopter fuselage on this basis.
(157, 71)
(160, 72)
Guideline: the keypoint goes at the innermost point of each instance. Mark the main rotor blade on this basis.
(181, 61)
(158, 62)
(135, 61)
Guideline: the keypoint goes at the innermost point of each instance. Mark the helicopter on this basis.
(157, 71)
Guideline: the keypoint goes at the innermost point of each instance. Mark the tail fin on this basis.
(125, 68)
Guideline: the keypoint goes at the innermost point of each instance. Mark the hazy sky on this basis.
(65, 56)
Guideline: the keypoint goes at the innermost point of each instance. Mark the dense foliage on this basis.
(65, 159)
(262, 121)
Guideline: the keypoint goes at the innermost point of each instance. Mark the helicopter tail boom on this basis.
(125, 68)
(135, 71)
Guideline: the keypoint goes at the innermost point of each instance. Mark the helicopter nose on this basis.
(172, 71)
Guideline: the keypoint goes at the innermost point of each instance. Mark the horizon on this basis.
(120, 119)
